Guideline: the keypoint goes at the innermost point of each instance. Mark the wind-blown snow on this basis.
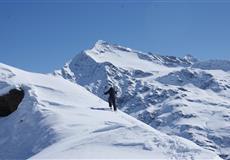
(59, 119)
(181, 96)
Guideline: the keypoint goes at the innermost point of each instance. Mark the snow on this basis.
(59, 119)
(121, 57)
(178, 96)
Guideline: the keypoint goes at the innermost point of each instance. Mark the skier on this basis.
(112, 97)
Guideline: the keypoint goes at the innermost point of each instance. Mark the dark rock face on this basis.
(10, 101)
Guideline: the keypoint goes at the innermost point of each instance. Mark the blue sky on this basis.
(41, 36)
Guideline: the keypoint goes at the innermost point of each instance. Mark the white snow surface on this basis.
(58, 119)
(178, 96)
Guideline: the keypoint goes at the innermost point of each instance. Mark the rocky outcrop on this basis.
(10, 101)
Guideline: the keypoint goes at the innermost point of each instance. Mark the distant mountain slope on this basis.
(213, 65)
(59, 119)
(181, 96)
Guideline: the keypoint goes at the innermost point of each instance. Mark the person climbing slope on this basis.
(112, 97)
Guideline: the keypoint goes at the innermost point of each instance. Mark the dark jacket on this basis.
(112, 93)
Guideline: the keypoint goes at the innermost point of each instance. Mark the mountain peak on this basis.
(159, 90)
(101, 42)
(190, 58)
(102, 46)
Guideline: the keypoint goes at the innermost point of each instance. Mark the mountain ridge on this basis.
(166, 92)
(60, 119)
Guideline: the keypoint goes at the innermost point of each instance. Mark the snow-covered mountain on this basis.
(181, 96)
(59, 119)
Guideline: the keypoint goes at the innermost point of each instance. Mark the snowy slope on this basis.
(60, 119)
(181, 96)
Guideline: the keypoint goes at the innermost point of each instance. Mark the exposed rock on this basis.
(10, 101)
